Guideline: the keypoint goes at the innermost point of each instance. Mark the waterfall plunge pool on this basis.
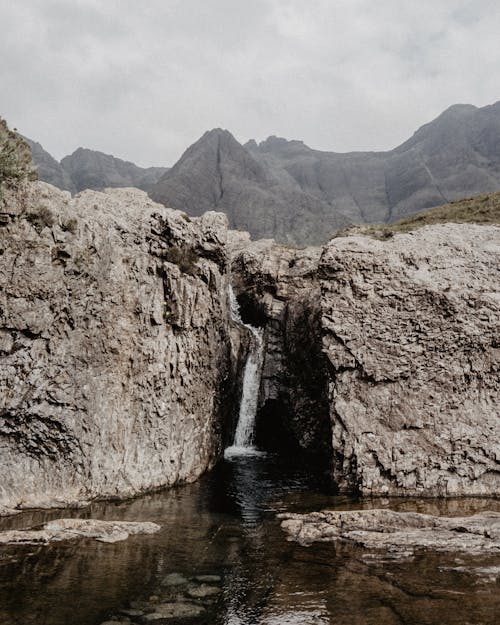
(224, 526)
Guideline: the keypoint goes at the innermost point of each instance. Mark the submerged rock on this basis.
(397, 531)
(68, 529)
(169, 612)
(203, 591)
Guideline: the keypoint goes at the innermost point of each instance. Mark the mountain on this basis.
(49, 170)
(218, 173)
(286, 190)
(90, 169)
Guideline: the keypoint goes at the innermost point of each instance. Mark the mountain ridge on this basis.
(284, 189)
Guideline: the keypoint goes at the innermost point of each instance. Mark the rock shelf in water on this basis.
(68, 529)
(397, 531)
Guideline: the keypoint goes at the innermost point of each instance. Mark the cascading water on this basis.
(245, 429)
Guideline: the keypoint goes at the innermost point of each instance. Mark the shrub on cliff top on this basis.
(16, 164)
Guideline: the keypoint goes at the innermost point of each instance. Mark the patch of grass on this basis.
(184, 257)
(480, 209)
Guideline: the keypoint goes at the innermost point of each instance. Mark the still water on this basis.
(224, 526)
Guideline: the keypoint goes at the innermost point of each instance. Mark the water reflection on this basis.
(224, 526)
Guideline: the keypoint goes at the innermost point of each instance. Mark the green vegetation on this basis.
(480, 209)
(15, 158)
(184, 257)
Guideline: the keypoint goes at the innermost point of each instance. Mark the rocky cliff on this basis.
(286, 190)
(390, 350)
(119, 364)
(115, 358)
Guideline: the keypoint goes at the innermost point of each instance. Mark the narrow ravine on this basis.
(243, 443)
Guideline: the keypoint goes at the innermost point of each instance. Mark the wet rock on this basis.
(204, 591)
(132, 613)
(208, 579)
(174, 579)
(168, 612)
(398, 531)
(68, 529)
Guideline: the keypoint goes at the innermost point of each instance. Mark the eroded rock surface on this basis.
(114, 345)
(398, 531)
(69, 529)
(278, 288)
(394, 345)
(411, 331)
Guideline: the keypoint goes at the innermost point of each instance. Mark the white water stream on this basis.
(245, 429)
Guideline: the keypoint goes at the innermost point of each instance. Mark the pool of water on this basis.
(225, 526)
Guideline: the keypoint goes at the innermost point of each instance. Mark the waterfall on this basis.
(245, 429)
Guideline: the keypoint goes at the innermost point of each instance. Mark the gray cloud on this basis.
(143, 81)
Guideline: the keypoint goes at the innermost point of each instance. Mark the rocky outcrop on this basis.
(89, 169)
(398, 531)
(114, 345)
(390, 349)
(410, 333)
(286, 190)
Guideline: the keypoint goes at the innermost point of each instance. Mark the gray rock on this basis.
(115, 349)
(68, 529)
(383, 356)
(168, 612)
(410, 332)
(174, 579)
(204, 591)
(48, 169)
(89, 169)
(398, 531)
(208, 579)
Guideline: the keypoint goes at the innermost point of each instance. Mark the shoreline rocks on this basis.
(383, 529)
(70, 529)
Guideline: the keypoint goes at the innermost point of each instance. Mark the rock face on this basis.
(391, 349)
(114, 345)
(410, 332)
(398, 531)
(285, 190)
(48, 169)
(278, 288)
(89, 169)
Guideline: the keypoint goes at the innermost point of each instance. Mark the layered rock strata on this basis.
(115, 356)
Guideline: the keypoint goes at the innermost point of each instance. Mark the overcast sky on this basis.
(144, 80)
